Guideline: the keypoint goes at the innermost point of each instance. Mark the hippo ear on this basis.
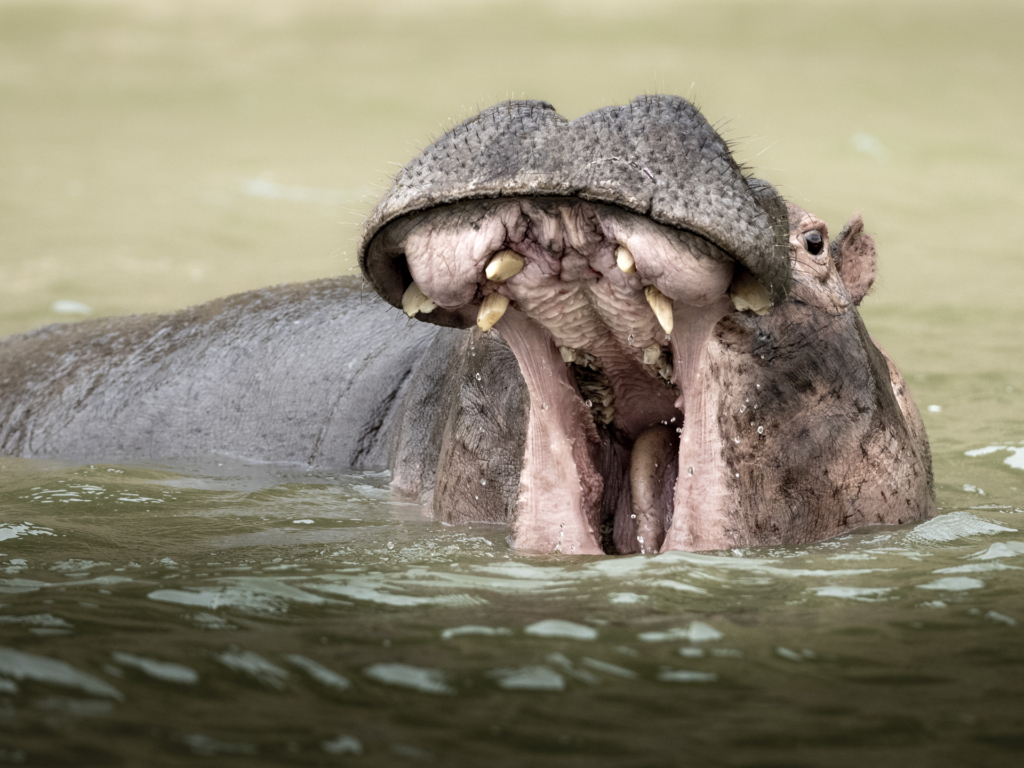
(853, 252)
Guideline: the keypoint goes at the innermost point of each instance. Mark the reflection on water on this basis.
(283, 617)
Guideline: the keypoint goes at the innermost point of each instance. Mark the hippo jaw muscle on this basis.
(670, 405)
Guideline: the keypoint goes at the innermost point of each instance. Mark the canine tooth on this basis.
(747, 293)
(568, 354)
(624, 259)
(504, 265)
(652, 354)
(662, 307)
(415, 300)
(491, 310)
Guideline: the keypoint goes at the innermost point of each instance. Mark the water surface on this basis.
(280, 617)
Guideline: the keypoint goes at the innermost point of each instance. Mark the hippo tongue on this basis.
(652, 478)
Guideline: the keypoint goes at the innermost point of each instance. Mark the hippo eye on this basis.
(814, 242)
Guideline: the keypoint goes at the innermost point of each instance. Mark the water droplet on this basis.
(760, 430)
(736, 440)
(478, 377)
(632, 517)
(391, 545)
(543, 406)
(737, 474)
(589, 404)
(690, 472)
(743, 408)
(483, 482)
(757, 386)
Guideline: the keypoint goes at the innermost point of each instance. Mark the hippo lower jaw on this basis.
(608, 315)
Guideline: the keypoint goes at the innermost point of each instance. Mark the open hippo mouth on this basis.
(604, 251)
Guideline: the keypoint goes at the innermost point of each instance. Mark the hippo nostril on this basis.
(815, 243)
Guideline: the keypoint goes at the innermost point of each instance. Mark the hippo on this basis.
(603, 333)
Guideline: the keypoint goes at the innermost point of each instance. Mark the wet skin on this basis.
(641, 349)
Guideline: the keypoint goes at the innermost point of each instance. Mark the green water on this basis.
(154, 155)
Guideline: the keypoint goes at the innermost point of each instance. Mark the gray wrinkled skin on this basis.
(749, 430)
(309, 374)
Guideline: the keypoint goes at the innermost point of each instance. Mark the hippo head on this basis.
(698, 374)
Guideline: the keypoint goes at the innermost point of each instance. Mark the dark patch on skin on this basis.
(764, 347)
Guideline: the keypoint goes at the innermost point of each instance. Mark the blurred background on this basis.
(156, 154)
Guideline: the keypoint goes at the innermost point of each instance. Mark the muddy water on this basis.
(156, 155)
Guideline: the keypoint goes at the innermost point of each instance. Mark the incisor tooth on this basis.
(414, 300)
(625, 260)
(504, 265)
(662, 306)
(747, 293)
(652, 354)
(568, 354)
(491, 310)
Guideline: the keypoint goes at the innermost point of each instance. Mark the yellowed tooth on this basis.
(652, 354)
(625, 260)
(568, 354)
(747, 293)
(415, 300)
(491, 310)
(662, 306)
(504, 265)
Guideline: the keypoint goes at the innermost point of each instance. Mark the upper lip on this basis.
(655, 157)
